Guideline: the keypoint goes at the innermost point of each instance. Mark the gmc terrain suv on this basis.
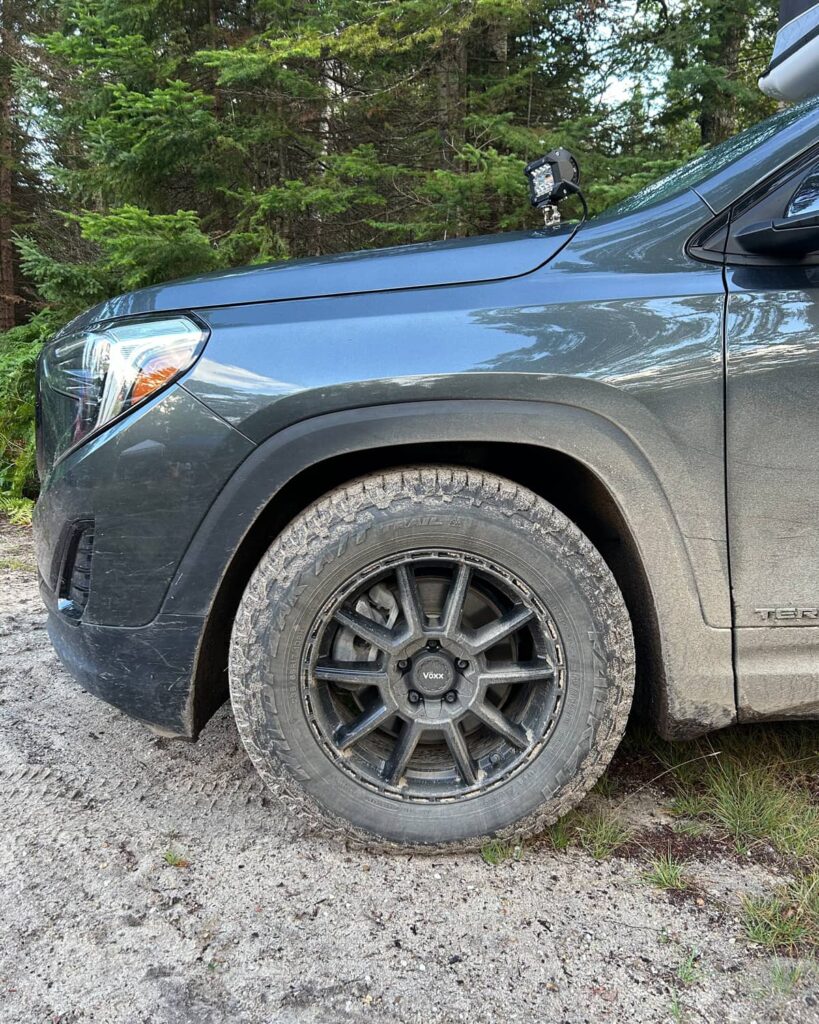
(425, 511)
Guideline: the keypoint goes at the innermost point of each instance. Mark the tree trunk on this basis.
(8, 298)
(325, 132)
(451, 90)
(718, 116)
(213, 26)
(498, 40)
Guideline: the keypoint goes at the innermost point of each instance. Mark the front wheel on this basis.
(436, 656)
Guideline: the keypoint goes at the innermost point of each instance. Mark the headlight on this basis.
(112, 368)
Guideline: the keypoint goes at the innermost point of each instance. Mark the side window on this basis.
(806, 198)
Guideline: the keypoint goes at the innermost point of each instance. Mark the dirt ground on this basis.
(258, 923)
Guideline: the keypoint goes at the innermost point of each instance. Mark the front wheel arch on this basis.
(613, 494)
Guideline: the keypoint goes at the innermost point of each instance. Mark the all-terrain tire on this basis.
(428, 508)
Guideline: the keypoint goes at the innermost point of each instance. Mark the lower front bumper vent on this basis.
(75, 575)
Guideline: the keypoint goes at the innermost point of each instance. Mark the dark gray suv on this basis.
(424, 511)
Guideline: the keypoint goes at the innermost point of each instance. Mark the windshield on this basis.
(711, 162)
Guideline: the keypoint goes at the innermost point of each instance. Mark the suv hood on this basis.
(459, 261)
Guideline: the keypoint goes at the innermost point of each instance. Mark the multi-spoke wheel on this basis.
(436, 676)
(435, 655)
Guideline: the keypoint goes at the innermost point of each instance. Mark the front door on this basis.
(772, 444)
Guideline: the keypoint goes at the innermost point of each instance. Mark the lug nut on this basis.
(461, 664)
(403, 664)
(433, 645)
(413, 696)
(450, 696)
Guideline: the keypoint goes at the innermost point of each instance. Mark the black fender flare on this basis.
(697, 692)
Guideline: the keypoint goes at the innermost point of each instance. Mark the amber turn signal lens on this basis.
(153, 376)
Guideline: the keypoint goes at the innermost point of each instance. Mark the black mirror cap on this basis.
(785, 236)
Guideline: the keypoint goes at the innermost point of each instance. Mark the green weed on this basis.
(788, 920)
(667, 873)
(18, 511)
(176, 860)
(601, 833)
(688, 971)
(497, 851)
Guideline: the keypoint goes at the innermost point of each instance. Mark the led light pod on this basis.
(552, 177)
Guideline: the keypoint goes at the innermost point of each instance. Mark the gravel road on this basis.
(259, 923)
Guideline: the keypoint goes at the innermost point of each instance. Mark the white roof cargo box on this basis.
(793, 72)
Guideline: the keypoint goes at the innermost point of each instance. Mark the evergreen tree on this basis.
(142, 140)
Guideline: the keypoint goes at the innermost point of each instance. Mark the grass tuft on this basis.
(690, 805)
(561, 834)
(176, 860)
(497, 851)
(785, 977)
(756, 786)
(606, 786)
(690, 828)
(601, 833)
(788, 920)
(17, 565)
(676, 1011)
(688, 971)
(667, 873)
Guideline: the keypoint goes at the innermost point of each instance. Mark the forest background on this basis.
(142, 140)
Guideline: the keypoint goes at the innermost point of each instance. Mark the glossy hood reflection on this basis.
(456, 261)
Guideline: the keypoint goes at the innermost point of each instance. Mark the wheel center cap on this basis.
(433, 674)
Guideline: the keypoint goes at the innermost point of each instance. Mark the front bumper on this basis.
(145, 671)
(141, 489)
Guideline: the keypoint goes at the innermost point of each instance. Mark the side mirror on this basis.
(785, 236)
(794, 235)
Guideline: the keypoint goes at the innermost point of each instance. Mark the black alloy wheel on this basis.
(435, 676)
